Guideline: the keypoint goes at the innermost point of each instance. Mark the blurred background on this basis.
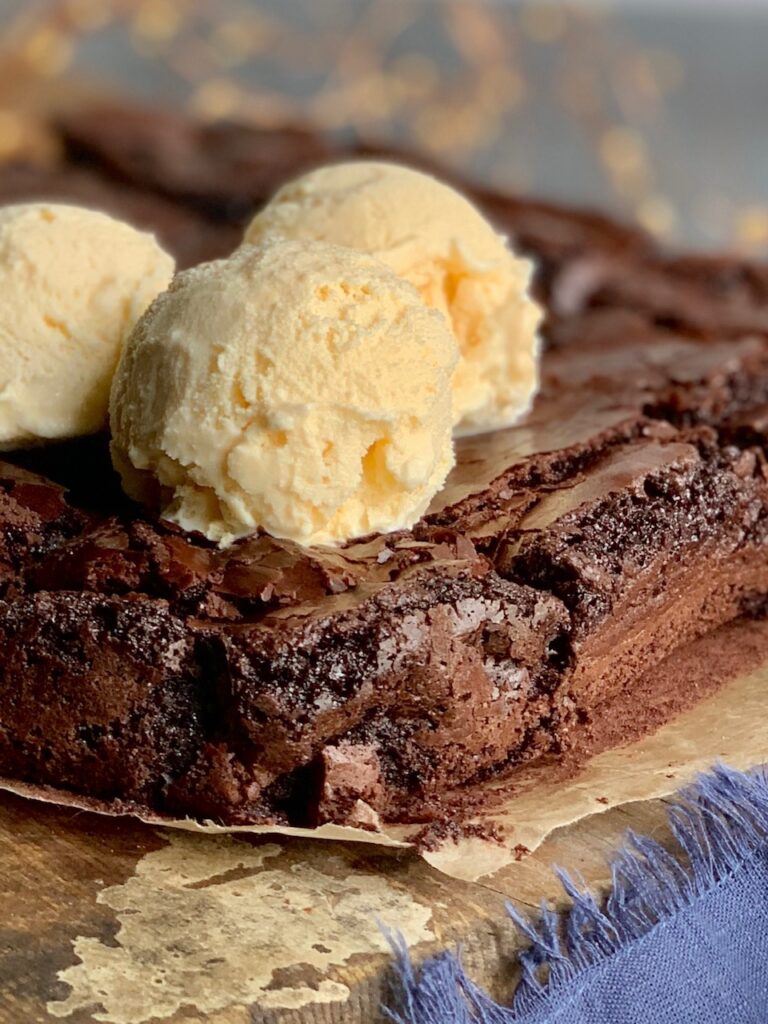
(655, 110)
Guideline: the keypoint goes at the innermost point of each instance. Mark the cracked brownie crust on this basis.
(533, 613)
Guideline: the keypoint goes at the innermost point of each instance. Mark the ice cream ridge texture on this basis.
(309, 385)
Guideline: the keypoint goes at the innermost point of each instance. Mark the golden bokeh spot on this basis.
(476, 34)
(444, 128)
(216, 98)
(657, 215)
(622, 150)
(157, 20)
(752, 226)
(48, 51)
(624, 155)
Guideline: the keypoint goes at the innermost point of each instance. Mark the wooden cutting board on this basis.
(111, 920)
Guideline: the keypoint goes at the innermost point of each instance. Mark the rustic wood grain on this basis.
(54, 862)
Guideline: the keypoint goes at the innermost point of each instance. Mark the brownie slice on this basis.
(546, 576)
(533, 613)
(401, 635)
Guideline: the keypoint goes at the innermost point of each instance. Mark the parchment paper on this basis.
(731, 726)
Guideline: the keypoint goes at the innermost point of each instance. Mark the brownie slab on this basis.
(565, 560)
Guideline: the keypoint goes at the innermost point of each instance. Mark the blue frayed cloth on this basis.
(679, 940)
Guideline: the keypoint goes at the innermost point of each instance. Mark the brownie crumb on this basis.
(434, 835)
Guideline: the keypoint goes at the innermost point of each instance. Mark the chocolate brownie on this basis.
(533, 615)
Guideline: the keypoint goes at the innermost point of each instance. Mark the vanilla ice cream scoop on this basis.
(432, 236)
(296, 386)
(72, 284)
